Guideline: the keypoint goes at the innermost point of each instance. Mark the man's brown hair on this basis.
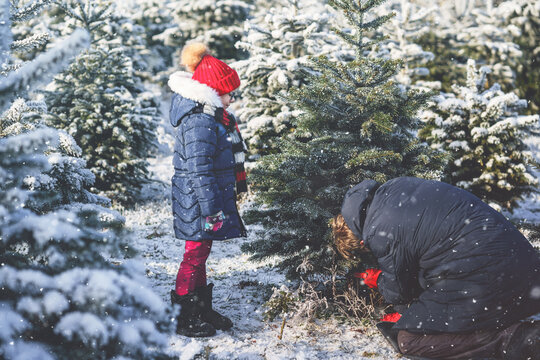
(347, 244)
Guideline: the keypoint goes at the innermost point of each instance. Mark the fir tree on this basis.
(67, 180)
(108, 28)
(61, 297)
(30, 34)
(90, 15)
(156, 19)
(357, 124)
(484, 132)
(71, 183)
(42, 69)
(280, 42)
(92, 102)
(117, 49)
(215, 23)
(462, 30)
(525, 15)
(411, 22)
(122, 31)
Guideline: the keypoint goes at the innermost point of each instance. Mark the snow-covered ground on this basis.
(240, 286)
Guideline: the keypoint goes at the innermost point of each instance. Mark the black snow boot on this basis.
(385, 327)
(189, 322)
(208, 314)
(524, 343)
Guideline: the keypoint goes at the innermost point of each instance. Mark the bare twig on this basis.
(282, 326)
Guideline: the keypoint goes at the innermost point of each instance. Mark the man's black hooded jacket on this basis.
(459, 263)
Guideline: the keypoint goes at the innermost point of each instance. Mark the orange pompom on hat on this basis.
(208, 70)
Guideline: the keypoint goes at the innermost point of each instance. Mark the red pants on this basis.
(192, 272)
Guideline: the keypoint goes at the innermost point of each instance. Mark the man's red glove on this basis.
(369, 276)
(393, 317)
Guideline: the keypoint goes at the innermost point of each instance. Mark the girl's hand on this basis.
(214, 222)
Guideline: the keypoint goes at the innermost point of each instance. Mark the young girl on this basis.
(209, 174)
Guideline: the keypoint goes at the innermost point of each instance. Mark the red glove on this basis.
(393, 317)
(370, 277)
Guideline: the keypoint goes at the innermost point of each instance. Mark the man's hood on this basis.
(355, 204)
(191, 94)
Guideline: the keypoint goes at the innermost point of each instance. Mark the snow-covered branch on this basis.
(5, 30)
(43, 68)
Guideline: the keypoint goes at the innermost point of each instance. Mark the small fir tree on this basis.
(357, 124)
(484, 132)
(15, 84)
(67, 180)
(463, 30)
(61, 298)
(29, 32)
(525, 15)
(92, 102)
(215, 23)
(108, 26)
(156, 19)
(112, 73)
(411, 22)
(90, 15)
(122, 31)
(280, 42)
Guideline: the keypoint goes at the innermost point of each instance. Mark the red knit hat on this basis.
(208, 70)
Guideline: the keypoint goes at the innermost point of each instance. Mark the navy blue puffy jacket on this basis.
(204, 180)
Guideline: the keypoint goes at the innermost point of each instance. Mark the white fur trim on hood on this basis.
(181, 83)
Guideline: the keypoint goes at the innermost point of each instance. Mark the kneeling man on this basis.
(464, 276)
